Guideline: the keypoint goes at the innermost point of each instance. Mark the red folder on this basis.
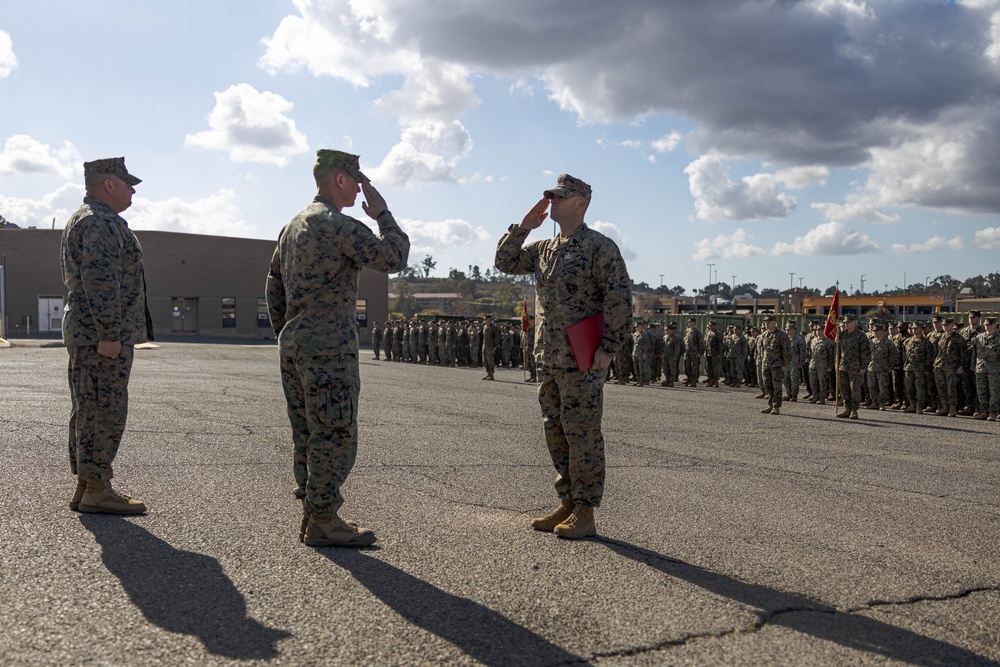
(584, 338)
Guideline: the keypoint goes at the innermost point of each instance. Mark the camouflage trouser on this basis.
(947, 385)
(572, 405)
(489, 358)
(641, 366)
(530, 364)
(376, 344)
(623, 367)
(322, 398)
(474, 356)
(773, 379)
(99, 390)
(792, 380)
(713, 367)
(692, 367)
(819, 378)
(899, 384)
(969, 387)
(670, 368)
(657, 365)
(388, 350)
(988, 389)
(760, 376)
(880, 387)
(432, 354)
(738, 365)
(850, 388)
(916, 388)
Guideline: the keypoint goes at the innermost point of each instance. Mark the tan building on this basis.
(196, 284)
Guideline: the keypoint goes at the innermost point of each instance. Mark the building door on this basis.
(184, 315)
(50, 313)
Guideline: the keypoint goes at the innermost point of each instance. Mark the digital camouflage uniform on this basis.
(312, 291)
(673, 348)
(694, 347)
(642, 356)
(820, 353)
(101, 262)
(986, 360)
(967, 381)
(575, 278)
(949, 358)
(739, 348)
(777, 353)
(883, 360)
(528, 344)
(918, 363)
(491, 341)
(376, 339)
(623, 361)
(854, 357)
(713, 356)
(898, 373)
(793, 378)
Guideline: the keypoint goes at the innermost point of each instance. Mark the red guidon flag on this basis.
(830, 330)
(524, 315)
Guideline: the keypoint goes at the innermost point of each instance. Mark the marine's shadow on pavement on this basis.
(182, 591)
(810, 618)
(481, 633)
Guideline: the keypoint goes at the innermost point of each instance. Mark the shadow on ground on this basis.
(481, 633)
(811, 618)
(182, 591)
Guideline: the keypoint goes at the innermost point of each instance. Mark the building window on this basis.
(228, 313)
(361, 311)
(263, 319)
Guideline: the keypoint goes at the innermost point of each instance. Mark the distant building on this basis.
(196, 284)
(902, 308)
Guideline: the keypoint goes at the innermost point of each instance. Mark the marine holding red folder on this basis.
(583, 313)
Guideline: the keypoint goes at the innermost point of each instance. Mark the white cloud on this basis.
(718, 197)
(8, 61)
(829, 238)
(428, 152)
(251, 126)
(855, 209)
(25, 155)
(613, 232)
(734, 246)
(58, 204)
(797, 178)
(436, 236)
(988, 238)
(667, 142)
(435, 91)
(216, 214)
(933, 243)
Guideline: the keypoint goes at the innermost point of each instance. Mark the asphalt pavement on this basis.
(726, 536)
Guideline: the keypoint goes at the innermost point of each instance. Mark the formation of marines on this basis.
(914, 367)
(471, 343)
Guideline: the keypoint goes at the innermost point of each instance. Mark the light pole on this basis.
(800, 282)
(708, 289)
(862, 283)
(661, 280)
(791, 279)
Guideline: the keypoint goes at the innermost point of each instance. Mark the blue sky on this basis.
(825, 138)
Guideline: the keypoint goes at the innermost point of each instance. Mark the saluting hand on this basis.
(374, 203)
(536, 216)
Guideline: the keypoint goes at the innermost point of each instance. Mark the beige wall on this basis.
(206, 268)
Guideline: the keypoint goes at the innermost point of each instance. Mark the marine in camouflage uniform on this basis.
(820, 354)
(106, 317)
(376, 338)
(673, 349)
(475, 344)
(933, 336)
(713, 355)
(776, 354)
(694, 347)
(578, 274)
(623, 361)
(948, 366)
(793, 379)
(312, 290)
(883, 360)
(918, 363)
(529, 350)
(491, 340)
(855, 354)
(739, 348)
(642, 354)
(986, 357)
(657, 342)
(969, 402)
(898, 333)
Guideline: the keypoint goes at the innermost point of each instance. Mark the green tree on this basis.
(429, 265)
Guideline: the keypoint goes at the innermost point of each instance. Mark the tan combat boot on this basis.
(992, 417)
(953, 411)
(854, 413)
(332, 531)
(980, 416)
(942, 411)
(845, 414)
(874, 405)
(767, 410)
(821, 401)
(579, 524)
(100, 498)
(548, 522)
(761, 395)
(913, 409)
(74, 503)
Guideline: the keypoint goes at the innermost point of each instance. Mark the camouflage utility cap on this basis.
(568, 186)
(113, 166)
(341, 160)
(991, 320)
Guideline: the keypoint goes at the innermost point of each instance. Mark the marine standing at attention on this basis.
(106, 317)
(578, 274)
(312, 291)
